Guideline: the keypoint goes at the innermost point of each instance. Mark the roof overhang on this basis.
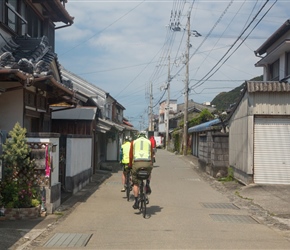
(260, 86)
(103, 126)
(273, 55)
(267, 86)
(106, 125)
(78, 113)
(127, 123)
(55, 10)
(129, 127)
(273, 39)
(12, 79)
(8, 75)
(118, 127)
(203, 126)
(181, 114)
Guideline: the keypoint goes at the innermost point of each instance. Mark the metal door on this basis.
(272, 150)
(62, 161)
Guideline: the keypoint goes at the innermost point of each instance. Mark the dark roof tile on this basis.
(31, 55)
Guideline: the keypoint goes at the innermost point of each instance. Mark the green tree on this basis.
(19, 184)
(204, 116)
(224, 100)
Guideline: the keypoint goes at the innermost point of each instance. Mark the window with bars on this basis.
(21, 19)
(41, 102)
(14, 15)
(30, 99)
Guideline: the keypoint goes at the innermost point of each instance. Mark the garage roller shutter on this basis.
(272, 151)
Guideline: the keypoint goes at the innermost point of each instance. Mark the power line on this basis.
(206, 36)
(212, 88)
(254, 19)
(113, 69)
(104, 28)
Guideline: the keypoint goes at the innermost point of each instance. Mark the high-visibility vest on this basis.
(125, 151)
(142, 149)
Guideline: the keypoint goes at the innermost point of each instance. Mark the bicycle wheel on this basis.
(128, 186)
(143, 202)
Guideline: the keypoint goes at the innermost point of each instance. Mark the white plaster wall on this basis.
(78, 155)
(112, 150)
(11, 109)
(161, 128)
(173, 107)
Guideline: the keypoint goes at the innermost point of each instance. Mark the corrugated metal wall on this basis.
(270, 103)
(241, 132)
(239, 141)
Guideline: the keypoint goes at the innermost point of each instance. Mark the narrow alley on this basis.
(184, 212)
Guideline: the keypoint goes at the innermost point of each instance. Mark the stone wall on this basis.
(205, 145)
(21, 213)
(213, 153)
(219, 154)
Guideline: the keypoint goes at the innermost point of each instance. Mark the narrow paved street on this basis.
(185, 212)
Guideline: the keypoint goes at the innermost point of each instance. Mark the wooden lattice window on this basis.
(41, 102)
(30, 99)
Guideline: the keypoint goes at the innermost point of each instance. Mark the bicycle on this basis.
(128, 182)
(143, 200)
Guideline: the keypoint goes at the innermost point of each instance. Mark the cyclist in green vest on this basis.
(124, 156)
(141, 156)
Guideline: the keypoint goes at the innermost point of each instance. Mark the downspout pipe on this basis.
(64, 26)
(258, 55)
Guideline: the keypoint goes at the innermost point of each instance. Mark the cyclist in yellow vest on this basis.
(141, 156)
(124, 156)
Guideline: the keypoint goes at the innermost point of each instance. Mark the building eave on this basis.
(273, 38)
(260, 86)
(274, 54)
(55, 10)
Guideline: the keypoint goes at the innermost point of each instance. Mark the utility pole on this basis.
(168, 104)
(174, 26)
(150, 118)
(186, 89)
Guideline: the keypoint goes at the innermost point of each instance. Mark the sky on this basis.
(137, 50)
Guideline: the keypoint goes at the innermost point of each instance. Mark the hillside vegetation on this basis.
(224, 99)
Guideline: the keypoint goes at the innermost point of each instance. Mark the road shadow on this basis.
(12, 232)
(150, 211)
(153, 210)
(83, 194)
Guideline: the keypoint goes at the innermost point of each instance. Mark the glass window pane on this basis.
(11, 16)
(23, 14)
(274, 71)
